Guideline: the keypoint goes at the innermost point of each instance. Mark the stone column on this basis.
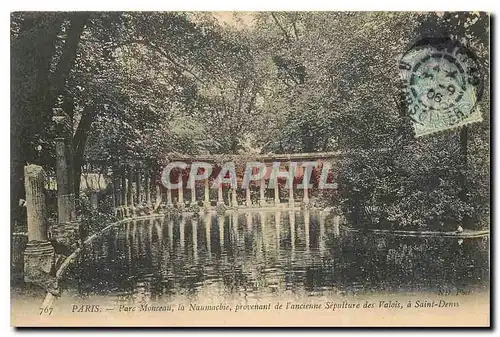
(220, 198)
(206, 203)
(65, 197)
(67, 232)
(169, 197)
(34, 180)
(147, 188)
(336, 225)
(123, 198)
(276, 193)
(193, 194)
(158, 198)
(118, 186)
(194, 231)
(138, 183)
(262, 199)
(305, 200)
(130, 191)
(39, 254)
(94, 199)
(248, 197)
(116, 192)
(234, 198)
(113, 194)
(291, 202)
(65, 188)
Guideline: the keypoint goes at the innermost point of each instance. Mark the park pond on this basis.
(261, 254)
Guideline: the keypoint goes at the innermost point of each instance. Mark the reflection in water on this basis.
(265, 253)
(208, 227)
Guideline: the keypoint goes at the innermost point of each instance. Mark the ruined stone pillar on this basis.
(34, 180)
(39, 254)
(262, 199)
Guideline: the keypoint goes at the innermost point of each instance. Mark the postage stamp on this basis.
(442, 83)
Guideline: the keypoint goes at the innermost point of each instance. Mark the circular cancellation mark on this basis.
(442, 83)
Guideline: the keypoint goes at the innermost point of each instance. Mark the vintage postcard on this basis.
(184, 169)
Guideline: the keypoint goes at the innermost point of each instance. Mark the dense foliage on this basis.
(138, 86)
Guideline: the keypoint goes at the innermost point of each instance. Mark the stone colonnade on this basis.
(137, 190)
(134, 191)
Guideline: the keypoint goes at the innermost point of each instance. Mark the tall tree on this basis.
(42, 54)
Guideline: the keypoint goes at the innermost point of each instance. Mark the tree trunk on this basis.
(67, 59)
(32, 50)
(33, 89)
(79, 142)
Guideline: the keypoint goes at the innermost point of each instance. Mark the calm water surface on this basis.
(273, 253)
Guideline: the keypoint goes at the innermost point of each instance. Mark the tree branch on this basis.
(287, 37)
(68, 57)
(295, 30)
(162, 52)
